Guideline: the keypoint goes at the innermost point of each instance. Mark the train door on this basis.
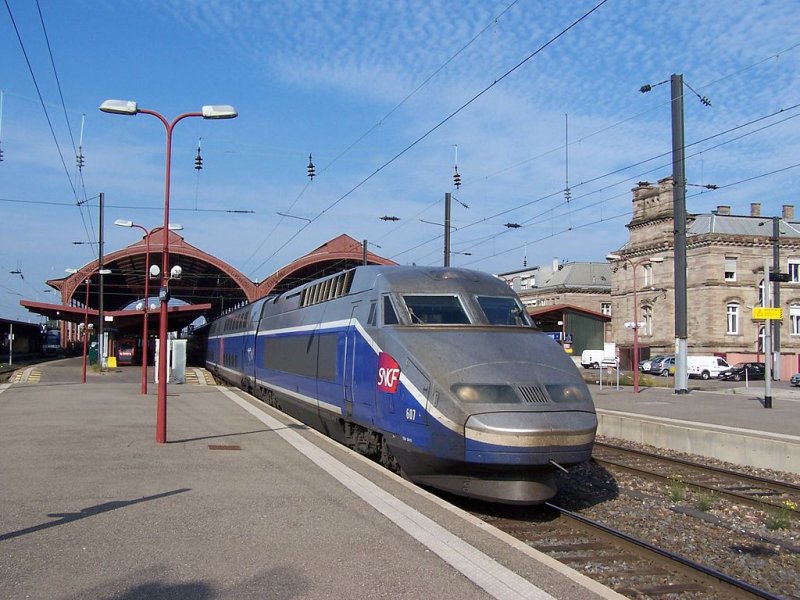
(348, 367)
(357, 378)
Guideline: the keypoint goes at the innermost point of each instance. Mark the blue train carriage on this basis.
(437, 372)
(51, 342)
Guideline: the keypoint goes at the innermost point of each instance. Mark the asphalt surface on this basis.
(242, 502)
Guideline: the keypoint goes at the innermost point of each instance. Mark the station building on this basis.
(726, 256)
(569, 301)
(207, 287)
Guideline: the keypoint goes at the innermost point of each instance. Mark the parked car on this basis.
(795, 380)
(744, 370)
(645, 365)
(662, 366)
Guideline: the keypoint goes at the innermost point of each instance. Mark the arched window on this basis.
(794, 317)
(732, 318)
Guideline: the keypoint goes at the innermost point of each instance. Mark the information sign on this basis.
(761, 313)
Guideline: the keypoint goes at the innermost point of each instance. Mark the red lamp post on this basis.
(125, 107)
(147, 234)
(86, 282)
(634, 264)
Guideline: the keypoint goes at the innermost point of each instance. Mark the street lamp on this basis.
(127, 107)
(86, 313)
(147, 234)
(634, 264)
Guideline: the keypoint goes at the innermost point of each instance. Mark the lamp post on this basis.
(147, 234)
(86, 313)
(634, 264)
(125, 107)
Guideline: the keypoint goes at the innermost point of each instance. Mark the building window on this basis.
(761, 293)
(794, 270)
(647, 317)
(794, 317)
(605, 308)
(732, 320)
(648, 275)
(730, 268)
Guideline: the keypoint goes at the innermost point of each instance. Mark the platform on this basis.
(728, 424)
(242, 502)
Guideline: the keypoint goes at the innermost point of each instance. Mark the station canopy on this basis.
(207, 286)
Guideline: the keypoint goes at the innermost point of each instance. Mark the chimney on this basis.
(788, 212)
(755, 209)
(722, 209)
(555, 264)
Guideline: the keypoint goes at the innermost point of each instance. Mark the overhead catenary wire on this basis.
(374, 127)
(47, 116)
(626, 213)
(557, 193)
(423, 84)
(475, 97)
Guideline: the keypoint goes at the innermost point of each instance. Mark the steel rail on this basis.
(731, 583)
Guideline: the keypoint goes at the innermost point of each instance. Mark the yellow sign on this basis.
(762, 312)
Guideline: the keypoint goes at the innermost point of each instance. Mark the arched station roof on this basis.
(334, 256)
(208, 285)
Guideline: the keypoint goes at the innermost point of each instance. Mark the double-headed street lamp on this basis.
(634, 264)
(127, 107)
(86, 314)
(147, 234)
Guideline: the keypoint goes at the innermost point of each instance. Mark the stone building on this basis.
(572, 300)
(725, 279)
(583, 284)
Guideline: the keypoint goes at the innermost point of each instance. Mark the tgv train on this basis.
(436, 372)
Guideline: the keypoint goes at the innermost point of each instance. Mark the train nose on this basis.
(530, 438)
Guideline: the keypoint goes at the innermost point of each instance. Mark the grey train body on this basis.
(437, 372)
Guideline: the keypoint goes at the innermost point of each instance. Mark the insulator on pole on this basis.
(80, 161)
(310, 169)
(456, 178)
(198, 160)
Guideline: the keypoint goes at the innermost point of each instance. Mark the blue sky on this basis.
(385, 96)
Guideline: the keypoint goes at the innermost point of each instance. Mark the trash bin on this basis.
(93, 354)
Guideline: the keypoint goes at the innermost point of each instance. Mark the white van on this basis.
(592, 359)
(705, 367)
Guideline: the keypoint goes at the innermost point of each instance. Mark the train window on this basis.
(389, 316)
(502, 310)
(436, 310)
(371, 317)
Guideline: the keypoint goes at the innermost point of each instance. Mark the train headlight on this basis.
(485, 394)
(568, 393)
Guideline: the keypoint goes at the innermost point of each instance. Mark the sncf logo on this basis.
(388, 373)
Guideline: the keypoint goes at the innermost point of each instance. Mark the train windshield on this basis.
(436, 310)
(502, 310)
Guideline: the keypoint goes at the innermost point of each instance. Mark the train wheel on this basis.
(387, 459)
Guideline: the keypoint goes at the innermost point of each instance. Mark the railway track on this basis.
(615, 521)
(629, 565)
(752, 490)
